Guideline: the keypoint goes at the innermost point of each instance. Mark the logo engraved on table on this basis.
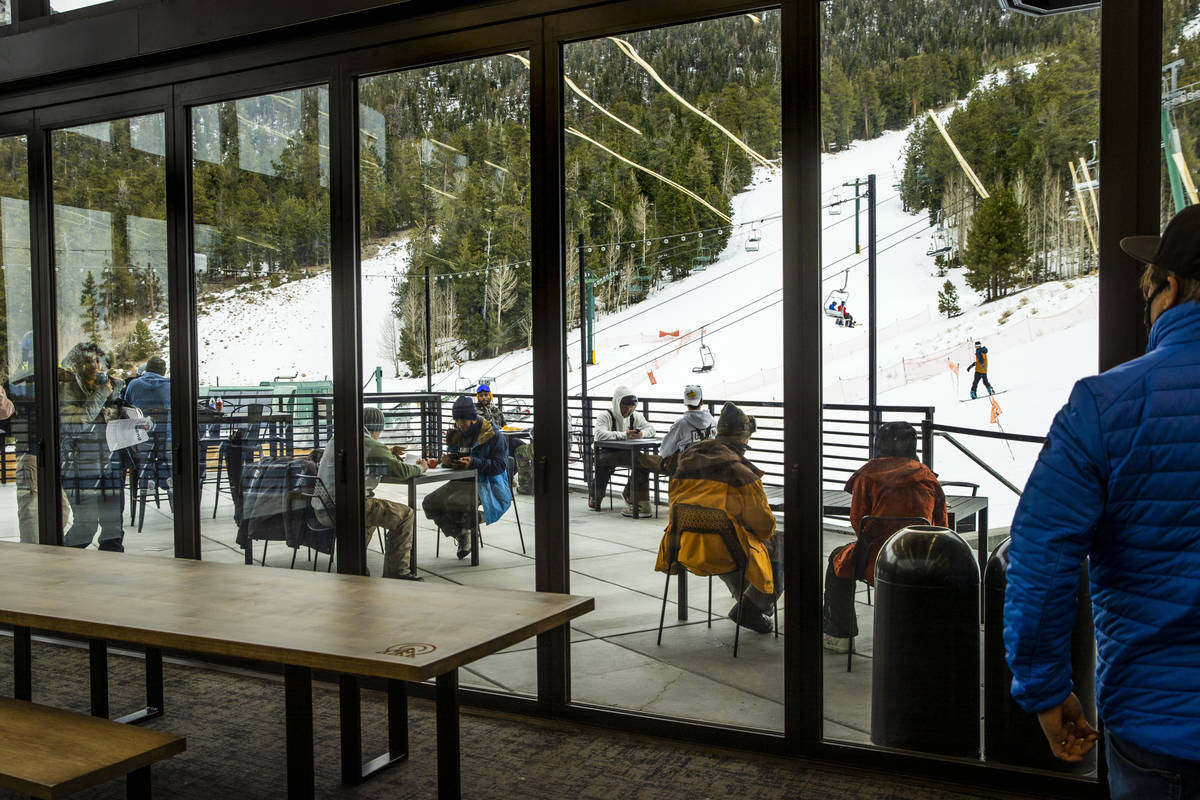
(408, 650)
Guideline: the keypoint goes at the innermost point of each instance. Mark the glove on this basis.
(970, 366)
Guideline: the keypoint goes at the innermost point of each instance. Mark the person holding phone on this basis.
(89, 398)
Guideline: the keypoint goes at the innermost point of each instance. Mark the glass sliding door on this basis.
(446, 331)
(260, 228)
(675, 339)
(18, 459)
(960, 183)
(110, 261)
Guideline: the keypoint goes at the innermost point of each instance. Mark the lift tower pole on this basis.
(872, 329)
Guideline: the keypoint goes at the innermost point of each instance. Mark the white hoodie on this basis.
(693, 426)
(611, 425)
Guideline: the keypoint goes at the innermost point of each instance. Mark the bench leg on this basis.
(22, 664)
(299, 709)
(353, 770)
(154, 689)
(681, 590)
(449, 774)
(137, 784)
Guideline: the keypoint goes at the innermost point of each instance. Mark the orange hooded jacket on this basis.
(890, 487)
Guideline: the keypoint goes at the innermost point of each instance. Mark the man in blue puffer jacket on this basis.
(1118, 482)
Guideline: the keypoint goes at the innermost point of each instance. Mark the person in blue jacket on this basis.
(471, 444)
(1118, 483)
(152, 389)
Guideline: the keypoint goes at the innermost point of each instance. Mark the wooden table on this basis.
(633, 446)
(397, 630)
(437, 475)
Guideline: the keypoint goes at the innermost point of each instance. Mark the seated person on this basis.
(715, 473)
(622, 421)
(471, 444)
(695, 425)
(396, 519)
(152, 389)
(847, 320)
(893, 484)
(486, 408)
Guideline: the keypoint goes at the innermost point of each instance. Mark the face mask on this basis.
(1149, 300)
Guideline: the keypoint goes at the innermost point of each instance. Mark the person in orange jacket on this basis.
(893, 484)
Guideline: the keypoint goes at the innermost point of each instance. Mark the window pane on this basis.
(673, 183)
(444, 204)
(110, 260)
(5, 13)
(260, 211)
(1181, 117)
(18, 462)
(980, 134)
(59, 6)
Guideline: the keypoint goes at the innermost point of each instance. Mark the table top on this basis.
(344, 623)
(627, 444)
(431, 476)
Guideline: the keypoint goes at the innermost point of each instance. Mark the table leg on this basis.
(449, 771)
(154, 689)
(475, 524)
(298, 704)
(633, 481)
(98, 673)
(22, 664)
(353, 770)
(412, 503)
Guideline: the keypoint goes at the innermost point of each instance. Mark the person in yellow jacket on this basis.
(980, 367)
(715, 473)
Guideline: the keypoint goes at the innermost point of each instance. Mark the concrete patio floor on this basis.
(615, 660)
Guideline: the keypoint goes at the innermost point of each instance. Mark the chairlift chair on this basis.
(938, 243)
(707, 362)
(835, 205)
(752, 241)
(837, 297)
(702, 259)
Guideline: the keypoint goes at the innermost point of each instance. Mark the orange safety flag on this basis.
(668, 333)
(651, 374)
(996, 412)
(953, 367)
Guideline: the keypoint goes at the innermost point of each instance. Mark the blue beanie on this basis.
(464, 408)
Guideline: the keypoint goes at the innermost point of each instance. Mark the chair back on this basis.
(974, 487)
(712, 526)
(872, 533)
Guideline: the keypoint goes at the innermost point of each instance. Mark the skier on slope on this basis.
(980, 366)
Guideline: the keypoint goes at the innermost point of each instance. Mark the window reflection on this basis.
(18, 426)
(110, 260)
(260, 211)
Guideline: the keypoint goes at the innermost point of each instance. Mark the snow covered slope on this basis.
(1040, 340)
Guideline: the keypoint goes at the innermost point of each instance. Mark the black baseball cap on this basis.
(1177, 250)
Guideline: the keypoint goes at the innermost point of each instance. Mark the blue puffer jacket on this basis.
(489, 457)
(1119, 481)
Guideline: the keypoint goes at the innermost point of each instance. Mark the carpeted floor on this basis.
(235, 731)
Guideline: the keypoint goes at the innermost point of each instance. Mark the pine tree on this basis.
(948, 300)
(90, 306)
(997, 250)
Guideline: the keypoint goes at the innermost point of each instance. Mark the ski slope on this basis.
(1040, 340)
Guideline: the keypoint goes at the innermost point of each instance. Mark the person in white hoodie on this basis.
(695, 425)
(622, 421)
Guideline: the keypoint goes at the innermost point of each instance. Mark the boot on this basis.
(644, 508)
(972, 394)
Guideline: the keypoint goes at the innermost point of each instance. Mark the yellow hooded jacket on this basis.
(713, 475)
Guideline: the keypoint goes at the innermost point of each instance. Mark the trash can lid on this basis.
(926, 555)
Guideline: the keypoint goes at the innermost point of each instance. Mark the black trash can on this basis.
(1010, 734)
(925, 675)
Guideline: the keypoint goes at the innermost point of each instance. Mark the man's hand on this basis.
(445, 460)
(633, 433)
(970, 366)
(462, 463)
(422, 464)
(1068, 732)
(398, 451)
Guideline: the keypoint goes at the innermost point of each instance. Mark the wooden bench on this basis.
(47, 752)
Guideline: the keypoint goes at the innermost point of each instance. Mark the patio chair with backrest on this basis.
(713, 527)
(872, 533)
(251, 432)
(316, 534)
(151, 476)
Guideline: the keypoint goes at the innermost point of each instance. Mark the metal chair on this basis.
(701, 521)
(872, 533)
(153, 469)
(313, 488)
(251, 432)
(512, 470)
